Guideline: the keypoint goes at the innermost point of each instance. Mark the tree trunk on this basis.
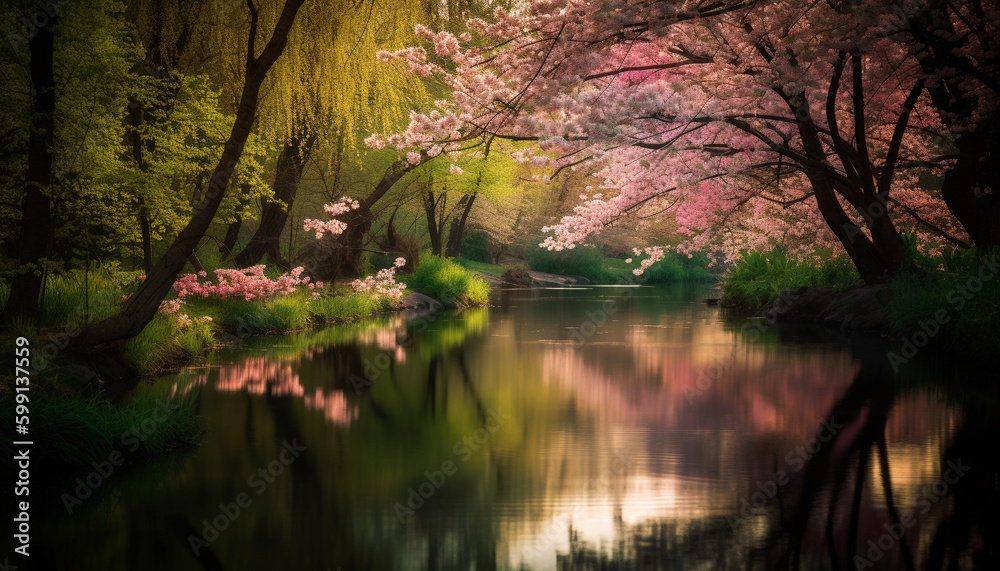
(348, 257)
(287, 176)
(964, 185)
(135, 111)
(36, 212)
(959, 96)
(142, 306)
(457, 231)
(433, 227)
(869, 261)
(232, 234)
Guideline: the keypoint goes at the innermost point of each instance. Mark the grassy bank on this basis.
(447, 281)
(166, 342)
(590, 263)
(73, 300)
(953, 300)
(757, 277)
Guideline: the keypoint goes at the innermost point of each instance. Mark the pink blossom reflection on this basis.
(255, 374)
(334, 406)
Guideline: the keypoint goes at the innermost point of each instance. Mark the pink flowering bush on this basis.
(249, 283)
(333, 226)
(383, 285)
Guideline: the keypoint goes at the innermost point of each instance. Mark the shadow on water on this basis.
(817, 520)
(796, 451)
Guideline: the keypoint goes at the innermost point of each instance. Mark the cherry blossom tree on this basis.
(751, 123)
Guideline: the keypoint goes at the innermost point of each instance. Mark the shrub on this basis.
(972, 320)
(448, 282)
(584, 261)
(758, 277)
(677, 267)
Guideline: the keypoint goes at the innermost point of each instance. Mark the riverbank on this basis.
(81, 403)
(947, 302)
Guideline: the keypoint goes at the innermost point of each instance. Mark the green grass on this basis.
(759, 276)
(71, 431)
(676, 267)
(448, 282)
(156, 347)
(970, 319)
(345, 307)
(590, 263)
(481, 267)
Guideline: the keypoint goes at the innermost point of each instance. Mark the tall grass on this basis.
(156, 347)
(71, 431)
(79, 297)
(345, 307)
(447, 282)
(758, 277)
(954, 293)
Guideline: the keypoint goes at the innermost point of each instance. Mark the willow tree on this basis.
(327, 92)
(142, 306)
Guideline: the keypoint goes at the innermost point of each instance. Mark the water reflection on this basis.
(667, 440)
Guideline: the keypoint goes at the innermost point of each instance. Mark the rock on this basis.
(420, 302)
(580, 280)
(856, 309)
(516, 278)
(550, 280)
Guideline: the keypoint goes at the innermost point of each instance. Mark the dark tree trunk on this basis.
(457, 231)
(975, 88)
(977, 169)
(348, 257)
(872, 265)
(433, 226)
(135, 111)
(36, 212)
(287, 176)
(232, 234)
(142, 306)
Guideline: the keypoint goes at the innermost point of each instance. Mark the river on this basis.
(585, 428)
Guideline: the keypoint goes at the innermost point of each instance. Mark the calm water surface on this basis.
(592, 428)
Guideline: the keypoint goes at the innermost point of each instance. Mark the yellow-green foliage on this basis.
(448, 282)
(156, 347)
